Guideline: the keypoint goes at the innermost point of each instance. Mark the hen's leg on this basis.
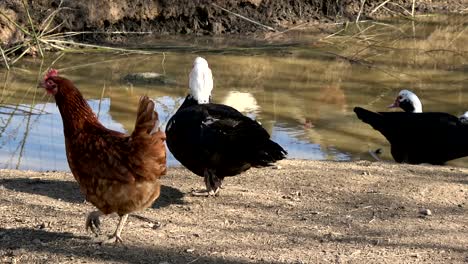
(93, 222)
(115, 238)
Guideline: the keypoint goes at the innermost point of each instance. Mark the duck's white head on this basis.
(201, 81)
(408, 101)
(464, 118)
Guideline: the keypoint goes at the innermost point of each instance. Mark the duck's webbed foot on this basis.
(93, 222)
(213, 185)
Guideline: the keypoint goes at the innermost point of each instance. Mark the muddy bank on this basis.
(304, 212)
(202, 17)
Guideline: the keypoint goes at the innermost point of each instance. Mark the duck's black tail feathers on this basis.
(369, 117)
(268, 154)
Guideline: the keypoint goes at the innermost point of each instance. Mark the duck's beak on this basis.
(395, 104)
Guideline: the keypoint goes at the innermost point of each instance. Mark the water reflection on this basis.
(36, 141)
(303, 94)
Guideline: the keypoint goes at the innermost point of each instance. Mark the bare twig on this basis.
(69, 42)
(360, 10)
(21, 55)
(457, 36)
(25, 112)
(373, 217)
(193, 261)
(48, 21)
(100, 99)
(34, 33)
(245, 18)
(334, 34)
(446, 50)
(4, 58)
(289, 29)
(379, 6)
(400, 6)
(163, 63)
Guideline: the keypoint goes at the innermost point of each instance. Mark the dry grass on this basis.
(46, 36)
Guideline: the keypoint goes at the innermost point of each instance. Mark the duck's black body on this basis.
(215, 141)
(416, 138)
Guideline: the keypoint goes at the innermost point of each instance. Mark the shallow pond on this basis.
(302, 86)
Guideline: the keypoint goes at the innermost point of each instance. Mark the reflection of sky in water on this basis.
(301, 149)
(43, 147)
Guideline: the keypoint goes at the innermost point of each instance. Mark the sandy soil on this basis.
(300, 212)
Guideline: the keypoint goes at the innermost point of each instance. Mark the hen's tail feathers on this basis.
(369, 117)
(268, 154)
(147, 119)
(148, 155)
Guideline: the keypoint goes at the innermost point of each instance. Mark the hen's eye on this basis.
(51, 84)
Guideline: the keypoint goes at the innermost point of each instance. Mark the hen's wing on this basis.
(97, 152)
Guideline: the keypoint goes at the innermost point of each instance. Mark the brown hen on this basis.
(117, 173)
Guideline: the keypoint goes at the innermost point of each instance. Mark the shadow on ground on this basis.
(60, 246)
(68, 191)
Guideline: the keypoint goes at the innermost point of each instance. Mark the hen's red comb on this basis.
(51, 73)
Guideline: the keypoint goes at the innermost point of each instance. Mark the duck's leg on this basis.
(210, 191)
(93, 222)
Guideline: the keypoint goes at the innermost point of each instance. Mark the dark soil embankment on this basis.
(201, 16)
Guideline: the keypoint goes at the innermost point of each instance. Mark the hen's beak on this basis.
(41, 84)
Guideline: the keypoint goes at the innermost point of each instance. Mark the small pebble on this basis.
(156, 225)
(425, 211)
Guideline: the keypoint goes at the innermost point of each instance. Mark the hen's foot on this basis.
(115, 238)
(112, 239)
(93, 222)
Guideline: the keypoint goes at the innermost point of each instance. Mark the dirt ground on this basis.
(300, 212)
